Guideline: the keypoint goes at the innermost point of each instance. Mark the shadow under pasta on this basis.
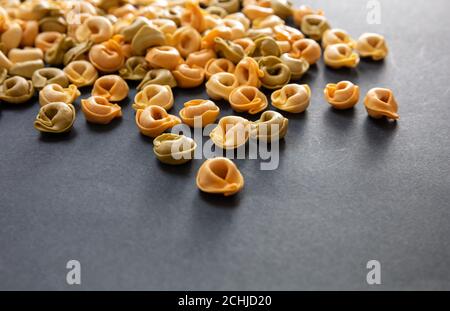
(101, 128)
(219, 200)
(57, 137)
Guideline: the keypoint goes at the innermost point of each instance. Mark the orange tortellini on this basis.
(107, 56)
(247, 98)
(188, 77)
(231, 132)
(220, 85)
(56, 93)
(95, 28)
(308, 49)
(340, 55)
(220, 176)
(112, 87)
(248, 72)
(343, 95)
(200, 58)
(81, 73)
(97, 109)
(199, 112)
(293, 98)
(380, 102)
(216, 65)
(154, 120)
(154, 94)
(372, 45)
(186, 40)
(166, 57)
(57, 117)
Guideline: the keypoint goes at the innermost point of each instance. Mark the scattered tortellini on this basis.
(270, 127)
(112, 87)
(231, 132)
(216, 65)
(340, 55)
(380, 102)
(16, 90)
(219, 175)
(220, 85)
(56, 93)
(174, 149)
(188, 77)
(97, 109)
(314, 26)
(56, 117)
(342, 95)
(335, 35)
(49, 75)
(248, 72)
(154, 120)
(247, 98)
(81, 73)
(154, 94)
(307, 49)
(275, 72)
(199, 112)
(293, 98)
(372, 45)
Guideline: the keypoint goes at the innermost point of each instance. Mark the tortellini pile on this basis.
(239, 50)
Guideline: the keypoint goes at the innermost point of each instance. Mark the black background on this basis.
(348, 189)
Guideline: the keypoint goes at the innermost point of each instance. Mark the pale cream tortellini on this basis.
(308, 49)
(49, 75)
(231, 132)
(174, 149)
(219, 175)
(340, 55)
(16, 90)
(81, 73)
(248, 72)
(220, 85)
(293, 98)
(372, 45)
(297, 66)
(154, 94)
(335, 35)
(271, 126)
(56, 93)
(56, 117)
(247, 99)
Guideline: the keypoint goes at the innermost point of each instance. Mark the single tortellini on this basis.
(200, 58)
(220, 85)
(53, 23)
(287, 33)
(45, 40)
(217, 65)
(95, 28)
(314, 26)
(308, 49)
(229, 50)
(108, 56)
(208, 40)
(186, 40)
(380, 102)
(265, 46)
(27, 68)
(343, 95)
(135, 68)
(16, 90)
(56, 53)
(220, 176)
(154, 94)
(247, 44)
(267, 22)
(340, 55)
(231, 132)
(81, 73)
(199, 112)
(56, 93)
(22, 55)
(49, 75)
(270, 127)
(165, 57)
(158, 76)
(372, 45)
(174, 149)
(297, 66)
(335, 35)
(57, 117)
(293, 98)
(147, 37)
(153, 120)
(276, 73)
(30, 30)
(97, 109)
(188, 77)
(111, 87)
(248, 99)
(248, 72)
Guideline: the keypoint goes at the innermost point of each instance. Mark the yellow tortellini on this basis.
(56, 117)
(16, 90)
(270, 127)
(174, 149)
(293, 98)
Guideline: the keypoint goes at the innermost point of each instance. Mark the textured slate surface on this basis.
(348, 189)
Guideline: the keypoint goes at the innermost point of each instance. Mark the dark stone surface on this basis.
(348, 188)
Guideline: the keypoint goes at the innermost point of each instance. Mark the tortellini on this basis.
(297, 66)
(174, 149)
(112, 87)
(56, 117)
(219, 175)
(248, 99)
(56, 93)
(199, 112)
(136, 67)
(81, 73)
(188, 77)
(343, 95)
(186, 40)
(340, 55)
(308, 49)
(16, 90)
(220, 85)
(334, 36)
(153, 120)
(380, 102)
(270, 127)
(372, 45)
(200, 58)
(229, 50)
(248, 72)
(97, 109)
(265, 46)
(23, 55)
(154, 94)
(231, 132)
(146, 37)
(275, 72)
(216, 65)
(107, 56)
(49, 75)
(293, 98)
(165, 57)
(27, 68)
(314, 26)
(95, 28)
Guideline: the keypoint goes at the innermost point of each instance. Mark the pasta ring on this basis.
(248, 73)
(270, 127)
(153, 120)
(372, 45)
(97, 109)
(199, 112)
(247, 99)
(57, 117)
(154, 94)
(81, 73)
(188, 77)
(56, 93)
(340, 55)
(49, 75)
(343, 95)
(216, 65)
(380, 102)
(293, 98)
(174, 149)
(16, 90)
(111, 87)
(231, 132)
(220, 85)
(166, 57)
